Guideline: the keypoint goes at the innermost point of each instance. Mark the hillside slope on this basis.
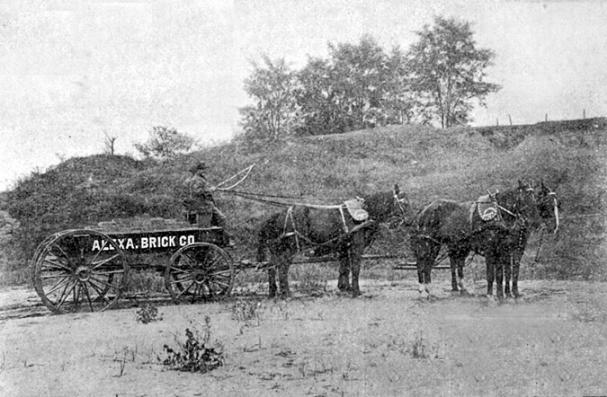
(427, 163)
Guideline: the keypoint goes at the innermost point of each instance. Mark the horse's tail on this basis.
(262, 244)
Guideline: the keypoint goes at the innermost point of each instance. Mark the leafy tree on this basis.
(360, 83)
(275, 112)
(165, 143)
(359, 86)
(319, 100)
(448, 71)
(398, 101)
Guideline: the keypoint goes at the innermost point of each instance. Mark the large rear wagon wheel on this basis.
(79, 270)
(199, 271)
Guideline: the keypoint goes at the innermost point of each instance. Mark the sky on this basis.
(72, 72)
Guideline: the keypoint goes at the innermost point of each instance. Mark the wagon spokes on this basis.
(199, 271)
(69, 274)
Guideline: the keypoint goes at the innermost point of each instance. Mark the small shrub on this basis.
(148, 313)
(194, 355)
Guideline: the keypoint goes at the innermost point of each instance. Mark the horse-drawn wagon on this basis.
(88, 269)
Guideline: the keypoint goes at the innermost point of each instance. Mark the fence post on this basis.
(510, 119)
(546, 117)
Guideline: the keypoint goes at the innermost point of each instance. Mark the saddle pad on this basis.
(356, 210)
(486, 208)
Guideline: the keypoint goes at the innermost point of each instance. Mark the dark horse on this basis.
(331, 228)
(549, 207)
(459, 226)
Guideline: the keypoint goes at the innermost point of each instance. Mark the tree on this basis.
(448, 71)
(109, 143)
(361, 82)
(275, 112)
(165, 143)
(398, 101)
(318, 99)
(359, 86)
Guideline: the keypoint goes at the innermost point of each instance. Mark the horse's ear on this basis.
(396, 189)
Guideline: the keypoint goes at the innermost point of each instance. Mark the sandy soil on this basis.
(551, 342)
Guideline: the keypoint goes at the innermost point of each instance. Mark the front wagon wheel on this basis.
(199, 271)
(79, 270)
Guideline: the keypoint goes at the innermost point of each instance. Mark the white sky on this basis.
(72, 70)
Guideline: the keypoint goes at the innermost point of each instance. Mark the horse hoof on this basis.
(356, 294)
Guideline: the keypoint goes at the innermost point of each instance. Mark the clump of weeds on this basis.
(195, 354)
(148, 313)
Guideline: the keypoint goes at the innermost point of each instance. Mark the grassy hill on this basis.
(428, 163)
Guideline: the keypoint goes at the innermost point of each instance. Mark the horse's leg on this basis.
(453, 264)
(357, 247)
(433, 250)
(457, 263)
(508, 274)
(343, 281)
(283, 261)
(272, 281)
(457, 258)
(460, 273)
(490, 263)
(419, 248)
(283, 277)
(502, 258)
(516, 263)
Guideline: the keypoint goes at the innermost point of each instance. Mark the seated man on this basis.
(199, 202)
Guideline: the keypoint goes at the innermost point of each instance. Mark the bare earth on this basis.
(551, 342)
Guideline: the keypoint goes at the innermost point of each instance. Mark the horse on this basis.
(331, 228)
(462, 228)
(549, 207)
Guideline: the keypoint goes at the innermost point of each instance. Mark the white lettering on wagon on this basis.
(147, 242)
(185, 240)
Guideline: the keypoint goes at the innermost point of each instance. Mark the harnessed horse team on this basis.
(496, 226)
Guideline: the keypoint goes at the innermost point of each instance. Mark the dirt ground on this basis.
(551, 342)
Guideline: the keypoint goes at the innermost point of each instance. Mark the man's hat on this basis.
(198, 166)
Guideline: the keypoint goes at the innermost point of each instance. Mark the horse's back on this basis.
(444, 219)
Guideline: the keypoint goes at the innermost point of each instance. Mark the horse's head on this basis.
(392, 207)
(525, 205)
(549, 207)
(401, 209)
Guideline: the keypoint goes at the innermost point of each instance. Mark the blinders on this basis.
(400, 203)
(549, 206)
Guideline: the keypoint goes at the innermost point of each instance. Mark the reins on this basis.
(281, 201)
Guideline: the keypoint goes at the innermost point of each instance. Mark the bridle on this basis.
(552, 195)
(517, 213)
(398, 202)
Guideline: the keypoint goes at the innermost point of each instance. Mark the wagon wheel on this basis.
(199, 271)
(79, 270)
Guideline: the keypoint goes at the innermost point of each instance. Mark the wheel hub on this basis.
(83, 273)
(200, 277)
